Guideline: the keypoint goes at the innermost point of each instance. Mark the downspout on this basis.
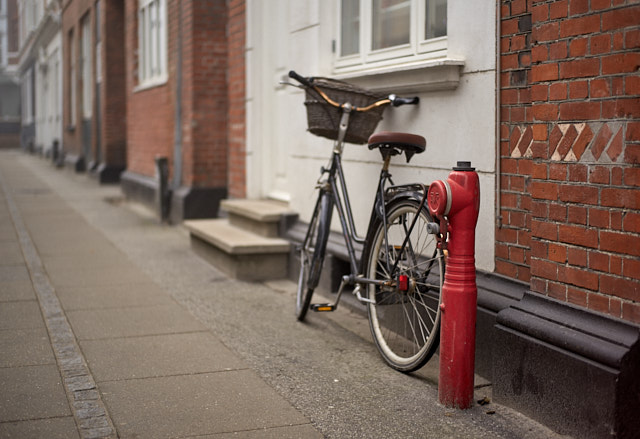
(498, 153)
(177, 135)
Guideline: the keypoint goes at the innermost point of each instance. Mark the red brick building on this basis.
(570, 203)
(185, 102)
(570, 206)
(94, 127)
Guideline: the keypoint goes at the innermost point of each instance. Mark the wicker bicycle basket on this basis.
(323, 119)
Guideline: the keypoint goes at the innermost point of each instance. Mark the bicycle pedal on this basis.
(322, 307)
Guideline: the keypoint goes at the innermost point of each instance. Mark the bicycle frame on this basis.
(336, 184)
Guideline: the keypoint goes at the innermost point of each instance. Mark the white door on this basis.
(267, 141)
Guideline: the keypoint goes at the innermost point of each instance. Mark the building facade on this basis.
(178, 102)
(442, 52)
(569, 212)
(9, 78)
(542, 97)
(94, 87)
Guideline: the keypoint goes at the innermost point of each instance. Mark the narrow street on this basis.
(324, 376)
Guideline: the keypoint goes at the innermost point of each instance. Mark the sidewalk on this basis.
(126, 358)
(111, 327)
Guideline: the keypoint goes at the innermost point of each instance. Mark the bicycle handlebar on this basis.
(396, 101)
(301, 79)
(392, 99)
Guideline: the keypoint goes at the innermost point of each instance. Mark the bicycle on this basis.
(401, 270)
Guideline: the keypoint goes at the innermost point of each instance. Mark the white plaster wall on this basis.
(458, 124)
(49, 100)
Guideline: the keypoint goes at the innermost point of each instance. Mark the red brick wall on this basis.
(577, 148)
(151, 112)
(73, 11)
(513, 237)
(237, 124)
(205, 94)
(113, 100)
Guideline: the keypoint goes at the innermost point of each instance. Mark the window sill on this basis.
(162, 80)
(430, 75)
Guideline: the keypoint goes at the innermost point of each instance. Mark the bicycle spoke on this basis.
(413, 301)
(405, 324)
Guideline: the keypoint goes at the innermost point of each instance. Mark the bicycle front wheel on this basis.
(312, 253)
(404, 314)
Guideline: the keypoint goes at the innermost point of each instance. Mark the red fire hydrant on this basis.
(456, 203)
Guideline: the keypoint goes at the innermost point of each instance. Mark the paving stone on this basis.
(123, 322)
(7, 231)
(19, 290)
(25, 347)
(196, 405)
(110, 296)
(11, 253)
(292, 432)
(107, 258)
(122, 274)
(53, 428)
(62, 247)
(23, 391)
(162, 355)
(20, 315)
(14, 273)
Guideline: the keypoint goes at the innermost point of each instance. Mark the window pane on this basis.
(72, 80)
(436, 20)
(350, 37)
(147, 45)
(141, 28)
(162, 45)
(87, 92)
(153, 50)
(390, 23)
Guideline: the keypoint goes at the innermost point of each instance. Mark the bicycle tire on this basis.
(405, 324)
(312, 253)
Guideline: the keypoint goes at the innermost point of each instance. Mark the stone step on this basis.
(238, 252)
(262, 217)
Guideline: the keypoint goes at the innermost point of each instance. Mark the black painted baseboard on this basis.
(572, 369)
(75, 162)
(107, 174)
(185, 202)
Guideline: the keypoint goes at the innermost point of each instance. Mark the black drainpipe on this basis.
(177, 136)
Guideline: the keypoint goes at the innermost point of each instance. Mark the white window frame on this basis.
(86, 63)
(27, 98)
(98, 42)
(152, 43)
(418, 48)
(72, 79)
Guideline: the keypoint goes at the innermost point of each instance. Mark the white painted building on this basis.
(41, 73)
(9, 82)
(442, 51)
(49, 94)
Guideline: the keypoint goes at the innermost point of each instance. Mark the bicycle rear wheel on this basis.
(404, 320)
(312, 253)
